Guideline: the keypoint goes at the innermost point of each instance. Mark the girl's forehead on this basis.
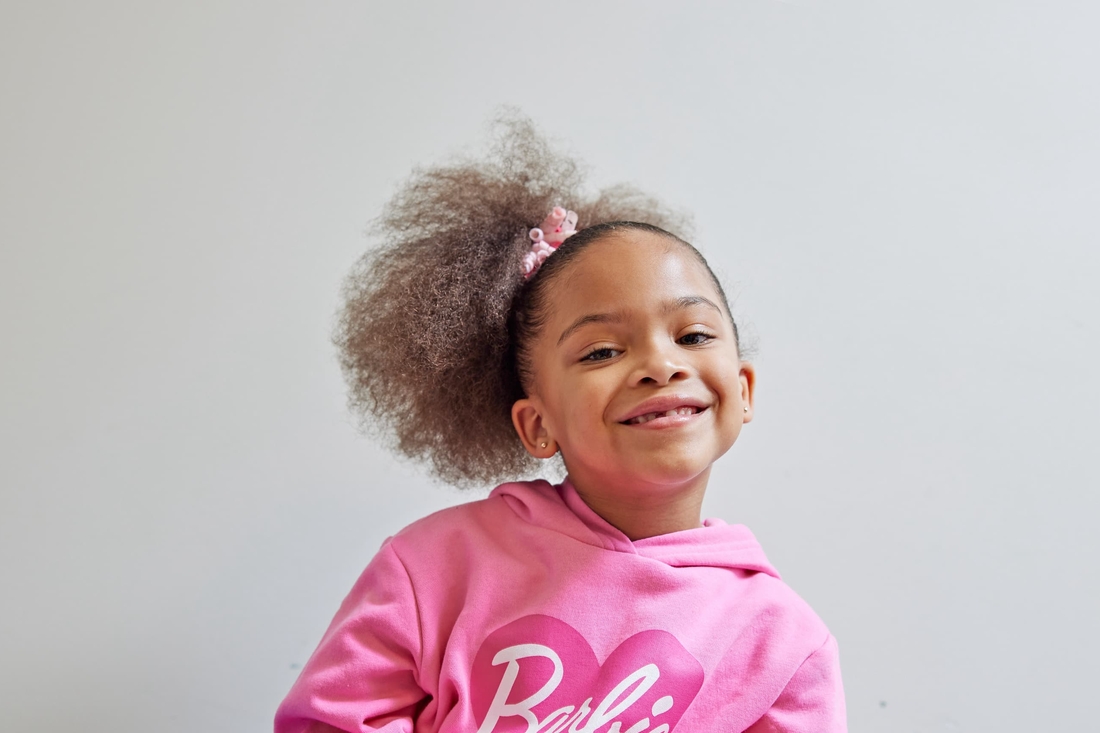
(633, 267)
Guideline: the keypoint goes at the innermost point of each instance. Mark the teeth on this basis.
(654, 415)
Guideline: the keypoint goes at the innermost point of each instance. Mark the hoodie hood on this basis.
(561, 509)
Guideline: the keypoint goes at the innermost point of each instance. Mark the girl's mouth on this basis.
(676, 412)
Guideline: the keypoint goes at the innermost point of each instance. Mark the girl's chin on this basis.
(658, 475)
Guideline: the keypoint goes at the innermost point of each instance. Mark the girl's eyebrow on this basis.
(689, 300)
(667, 308)
(617, 317)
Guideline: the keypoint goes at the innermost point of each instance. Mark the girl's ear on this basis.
(747, 377)
(527, 419)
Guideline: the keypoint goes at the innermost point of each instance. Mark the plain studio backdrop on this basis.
(902, 198)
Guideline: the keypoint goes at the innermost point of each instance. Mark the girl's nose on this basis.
(660, 364)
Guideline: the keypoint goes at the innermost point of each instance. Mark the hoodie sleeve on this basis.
(812, 701)
(364, 674)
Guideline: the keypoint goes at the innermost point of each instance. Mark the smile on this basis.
(678, 412)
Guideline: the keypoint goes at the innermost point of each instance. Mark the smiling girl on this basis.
(601, 339)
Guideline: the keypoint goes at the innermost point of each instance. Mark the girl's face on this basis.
(637, 378)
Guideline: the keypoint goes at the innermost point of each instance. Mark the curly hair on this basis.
(436, 321)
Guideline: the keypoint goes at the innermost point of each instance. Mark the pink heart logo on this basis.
(538, 675)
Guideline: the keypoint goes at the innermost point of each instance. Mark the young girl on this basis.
(483, 346)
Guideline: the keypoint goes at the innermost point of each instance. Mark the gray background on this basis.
(901, 195)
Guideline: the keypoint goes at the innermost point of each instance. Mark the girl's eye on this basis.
(695, 339)
(599, 354)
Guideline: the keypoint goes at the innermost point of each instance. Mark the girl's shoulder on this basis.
(509, 504)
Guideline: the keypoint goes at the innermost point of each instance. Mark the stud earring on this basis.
(542, 444)
(746, 409)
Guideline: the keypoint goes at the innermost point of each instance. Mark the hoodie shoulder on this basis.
(508, 507)
(444, 522)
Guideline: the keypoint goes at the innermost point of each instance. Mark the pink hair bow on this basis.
(556, 228)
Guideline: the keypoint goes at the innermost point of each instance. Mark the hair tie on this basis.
(558, 226)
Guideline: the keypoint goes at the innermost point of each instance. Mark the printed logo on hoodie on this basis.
(537, 674)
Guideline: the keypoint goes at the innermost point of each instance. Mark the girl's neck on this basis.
(649, 511)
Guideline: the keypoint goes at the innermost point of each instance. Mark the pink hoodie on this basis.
(527, 612)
